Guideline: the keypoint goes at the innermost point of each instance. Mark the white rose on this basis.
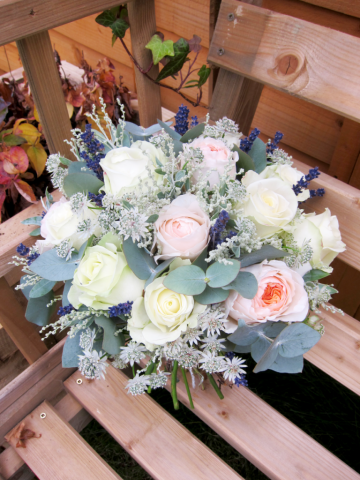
(103, 279)
(60, 223)
(289, 175)
(123, 168)
(152, 153)
(324, 235)
(271, 203)
(162, 315)
(217, 156)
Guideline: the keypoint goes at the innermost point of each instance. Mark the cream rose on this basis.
(324, 235)
(217, 156)
(271, 203)
(152, 154)
(123, 169)
(182, 229)
(289, 175)
(281, 297)
(104, 279)
(162, 315)
(61, 222)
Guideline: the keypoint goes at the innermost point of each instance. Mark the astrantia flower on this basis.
(118, 362)
(192, 336)
(173, 349)
(189, 357)
(158, 380)
(213, 344)
(138, 385)
(212, 319)
(212, 363)
(233, 368)
(133, 352)
(92, 365)
(87, 338)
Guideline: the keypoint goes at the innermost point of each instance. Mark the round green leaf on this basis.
(189, 280)
(296, 339)
(220, 275)
(211, 295)
(42, 288)
(245, 283)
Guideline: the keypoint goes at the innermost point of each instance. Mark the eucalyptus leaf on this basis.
(280, 364)
(81, 182)
(245, 335)
(71, 351)
(111, 343)
(25, 291)
(37, 312)
(42, 288)
(245, 283)
(268, 358)
(159, 270)
(174, 135)
(220, 275)
(245, 161)
(32, 221)
(152, 218)
(315, 274)
(65, 161)
(193, 133)
(258, 154)
(35, 232)
(189, 280)
(211, 295)
(140, 262)
(200, 260)
(67, 286)
(266, 252)
(296, 339)
(76, 167)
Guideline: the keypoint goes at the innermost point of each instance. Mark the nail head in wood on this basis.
(42, 415)
(79, 381)
(220, 51)
(230, 17)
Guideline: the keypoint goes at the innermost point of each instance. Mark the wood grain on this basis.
(350, 7)
(143, 27)
(21, 18)
(42, 73)
(144, 427)
(301, 58)
(81, 461)
(355, 176)
(346, 152)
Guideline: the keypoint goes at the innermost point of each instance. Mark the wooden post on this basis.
(39, 64)
(142, 28)
(22, 332)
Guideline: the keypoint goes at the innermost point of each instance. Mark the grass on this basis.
(317, 404)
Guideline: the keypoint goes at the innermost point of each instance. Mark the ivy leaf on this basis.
(160, 49)
(119, 27)
(181, 50)
(106, 19)
(194, 44)
(203, 74)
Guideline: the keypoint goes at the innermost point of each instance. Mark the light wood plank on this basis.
(346, 152)
(37, 57)
(349, 7)
(355, 176)
(143, 27)
(318, 57)
(81, 461)
(21, 18)
(144, 427)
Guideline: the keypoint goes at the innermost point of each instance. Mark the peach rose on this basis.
(182, 229)
(281, 297)
(216, 157)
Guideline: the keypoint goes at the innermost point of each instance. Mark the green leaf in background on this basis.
(159, 270)
(67, 287)
(37, 312)
(77, 167)
(200, 260)
(140, 262)
(212, 295)
(193, 133)
(81, 182)
(258, 154)
(268, 358)
(13, 140)
(181, 50)
(203, 74)
(314, 275)
(32, 221)
(247, 335)
(245, 161)
(42, 288)
(174, 135)
(245, 283)
(188, 280)
(106, 18)
(280, 364)
(111, 343)
(152, 218)
(160, 49)
(66, 161)
(266, 252)
(35, 232)
(119, 27)
(296, 339)
(220, 275)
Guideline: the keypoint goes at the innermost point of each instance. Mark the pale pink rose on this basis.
(281, 297)
(182, 229)
(216, 157)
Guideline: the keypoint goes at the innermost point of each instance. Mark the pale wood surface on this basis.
(20, 18)
(37, 57)
(318, 57)
(350, 7)
(143, 26)
(141, 426)
(74, 458)
(346, 152)
(21, 332)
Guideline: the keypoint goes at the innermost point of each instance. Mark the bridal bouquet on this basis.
(179, 254)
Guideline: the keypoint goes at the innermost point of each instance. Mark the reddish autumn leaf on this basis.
(20, 433)
(16, 161)
(25, 190)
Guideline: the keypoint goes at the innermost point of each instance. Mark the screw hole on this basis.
(79, 381)
(231, 17)
(42, 415)
(221, 51)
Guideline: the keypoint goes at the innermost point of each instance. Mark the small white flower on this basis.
(92, 365)
(133, 352)
(189, 357)
(233, 368)
(158, 380)
(172, 350)
(87, 338)
(213, 344)
(138, 385)
(212, 363)
(118, 362)
(212, 320)
(192, 336)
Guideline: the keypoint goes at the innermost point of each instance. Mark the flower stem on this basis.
(214, 384)
(187, 387)
(173, 386)
(149, 371)
(133, 370)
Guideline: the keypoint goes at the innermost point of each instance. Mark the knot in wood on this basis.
(288, 64)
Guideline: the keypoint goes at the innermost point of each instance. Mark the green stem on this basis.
(149, 371)
(133, 370)
(214, 384)
(173, 386)
(187, 387)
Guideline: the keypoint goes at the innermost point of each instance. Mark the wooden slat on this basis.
(140, 426)
(74, 458)
(143, 27)
(13, 232)
(320, 58)
(349, 7)
(37, 57)
(20, 18)
(355, 176)
(338, 352)
(346, 152)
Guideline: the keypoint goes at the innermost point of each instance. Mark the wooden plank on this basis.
(58, 436)
(306, 60)
(338, 351)
(355, 176)
(144, 427)
(13, 232)
(349, 7)
(11, 464)
(21, 332)
(346, 152)
(21, 18)
(43, 76)
(143, 27)
(12, 367)
(41, 381)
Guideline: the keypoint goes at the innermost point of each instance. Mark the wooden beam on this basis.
(37, 57)
(355, 176)
(21, 18)
(346, 151)
(143, 26)
(349, 7)
(309, 61)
